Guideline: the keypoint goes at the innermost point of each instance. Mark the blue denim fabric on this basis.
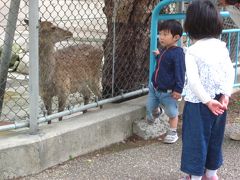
(156, 98)
(202, 136)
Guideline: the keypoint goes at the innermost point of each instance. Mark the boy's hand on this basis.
(176, 95)
(216, 107)
(156, 52)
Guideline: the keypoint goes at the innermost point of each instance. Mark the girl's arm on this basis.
(228, 80)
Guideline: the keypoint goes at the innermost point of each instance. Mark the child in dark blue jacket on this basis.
(168, 78)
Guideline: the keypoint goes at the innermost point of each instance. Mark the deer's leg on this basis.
(48, 105)
(61, 105)
(86, 101)
(99, 96)
(95, 87)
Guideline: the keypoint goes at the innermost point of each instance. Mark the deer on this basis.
(76, 68)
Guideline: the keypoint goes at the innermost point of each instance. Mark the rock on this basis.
(233, 131)
(235, 136)
(150, 131)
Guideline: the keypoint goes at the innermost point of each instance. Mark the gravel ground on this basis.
(141, 159)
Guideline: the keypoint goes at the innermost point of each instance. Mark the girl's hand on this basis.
(156, 52)
(224, 100)
(216, 107)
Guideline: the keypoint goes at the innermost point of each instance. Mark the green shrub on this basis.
(14, 57)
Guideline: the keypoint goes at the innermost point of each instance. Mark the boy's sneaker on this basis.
(171, 137)
(210, 178)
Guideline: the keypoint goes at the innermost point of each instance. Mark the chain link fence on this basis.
(15, 103)
(89, 50)
(73, 71)
(87, 23)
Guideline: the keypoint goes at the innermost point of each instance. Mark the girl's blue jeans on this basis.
(202, 136)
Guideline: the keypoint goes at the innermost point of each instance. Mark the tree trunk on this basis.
(132, 38)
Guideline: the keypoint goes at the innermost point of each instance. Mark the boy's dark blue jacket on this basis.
(170, 70)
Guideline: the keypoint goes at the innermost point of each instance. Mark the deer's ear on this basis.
(26, 21)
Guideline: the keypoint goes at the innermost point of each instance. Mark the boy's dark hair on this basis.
(232, 2)
(203, 20)
(173, 26)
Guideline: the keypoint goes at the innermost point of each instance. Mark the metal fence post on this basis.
(114, 43)
(33, 65)
(7, 47)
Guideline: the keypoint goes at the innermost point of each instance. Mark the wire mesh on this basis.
(87, 24)
(128, 64)
(15, 99)
(77, 61)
